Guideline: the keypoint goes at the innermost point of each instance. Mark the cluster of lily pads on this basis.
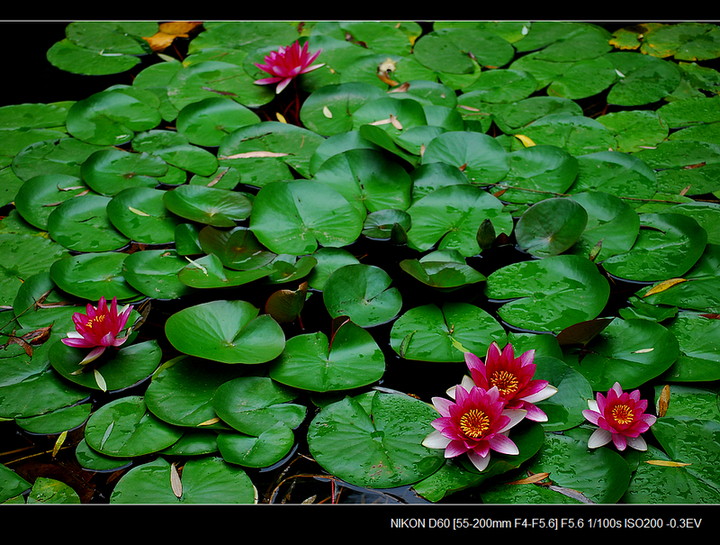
(304, 289)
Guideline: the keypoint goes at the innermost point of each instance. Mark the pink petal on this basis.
(599, 438)
(592, 416)
(503, 444)
(436, 440)
(480, 462)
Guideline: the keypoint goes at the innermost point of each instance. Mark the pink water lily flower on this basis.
(287, 63)
(476, 422)
(621, 417)
(513, 377)
(99, 328)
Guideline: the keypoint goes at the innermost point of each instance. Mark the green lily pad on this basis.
(459, 474)
(451, 216)
(265, 450)
(110, 118)
(154, 273)
(513, 117)
(612, 223)
(550, 294)
(56, 422)
(630, 352)
(574, 133)
(208, 205)
(269, 151)
(349, 359)
(253, 405)
(181, 392)
(582, 79)
(236, 248)
(226, 331)
(119, 370)
(379, 447)
(198, 81)
(328, 260)
(294, 217)
(62, 156)
(442, 269)
(668, 245)
(363, 293)
(42, 392)
(684, 166)
(564, 408)
(452, 50)
(536, 173)
(644, 79)
(71, 57)
(636, 129)
(432, 333)
(578, 476)
(681, 484)
(140, 214)
(208, 272)
(367, 180)
(124, 428)
(207, 122)
(328, 110)
(387, 224)
(679, 437)
(82, 224)
(551, 226)
(23, 257)
(93, 275)
(110, 171)
(204, 481)
(38, 196)
(616, 173)
(482, 159)
(698, 338)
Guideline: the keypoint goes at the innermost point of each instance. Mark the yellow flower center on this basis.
(622, 414)
(505, 381)
(96, 320)
(474, 423)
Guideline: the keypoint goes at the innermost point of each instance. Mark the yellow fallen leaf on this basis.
(59, 443)
(525, 140)
(664, 285)
(210, 422)
(667, 463)
(280, 118)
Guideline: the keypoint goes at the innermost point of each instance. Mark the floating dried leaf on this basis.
(667, 463)
(527, 142)
(138, 212)
(531, 478)
(59, 443)
(175, 482)
(663, 401)
(664, 285)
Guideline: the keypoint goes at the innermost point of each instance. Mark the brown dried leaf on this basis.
(531, 478)
(663, 401)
